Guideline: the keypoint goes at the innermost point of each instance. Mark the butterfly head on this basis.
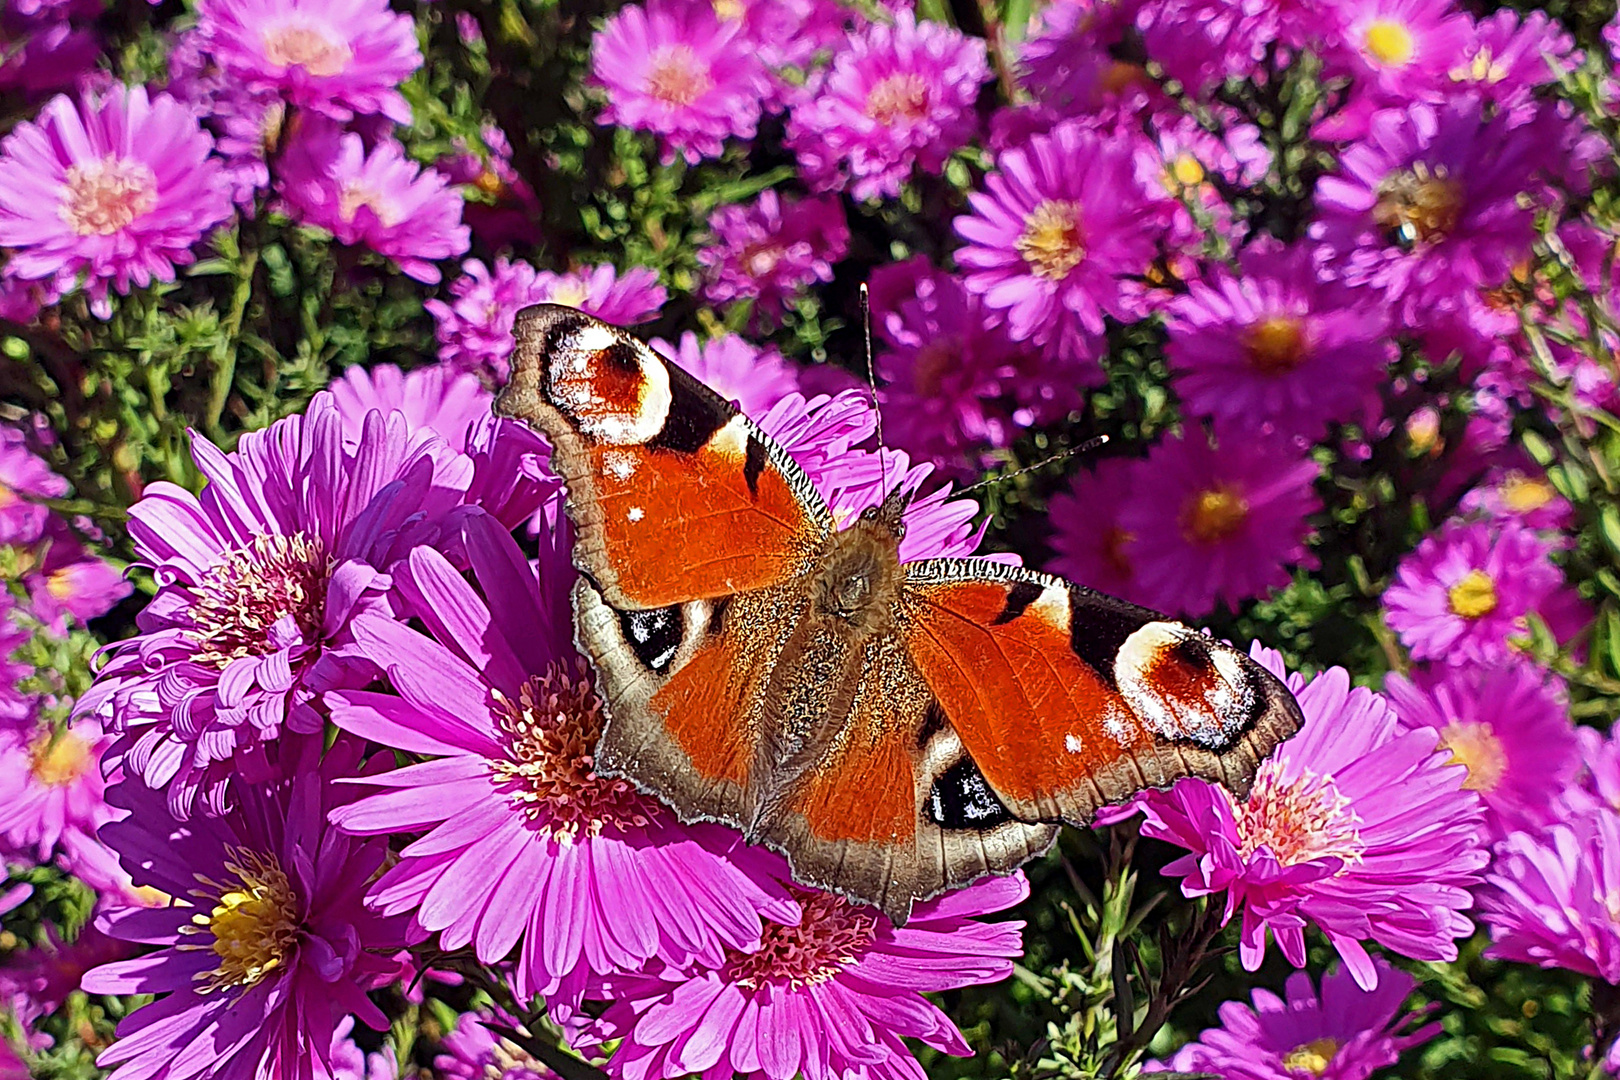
(889, 515)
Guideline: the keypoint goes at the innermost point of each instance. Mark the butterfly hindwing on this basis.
(1067, 699)
(675, 495)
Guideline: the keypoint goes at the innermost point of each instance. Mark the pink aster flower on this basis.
(506, 211)
(1397, 50)
(954, 386)
(897, 97)
(751, 378)
(770, 249)
(1509, 54)
(1227, 521)
(1465, 592)
(448, 403)
(117, 187)
(1508, 724)
(338, 57)
(38, 58)
(1428, 205)
(258, 579)
(349, 1062)
(833, 995)
(24, 479)
(51, 785)
(1345, 1033)
(1061, 222)
(1522, 495)
(273, 946)
(475, 329)
(71, 581)
(1271, 344)
(1550, 896)
(522, 840)
(675, 69)
(1354, 824)
(36, 982)
(474, 1052)
(1089, 544)
(382, 199)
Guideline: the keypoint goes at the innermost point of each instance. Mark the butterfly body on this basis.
(895, 728)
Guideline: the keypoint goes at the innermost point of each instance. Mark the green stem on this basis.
(224, 376)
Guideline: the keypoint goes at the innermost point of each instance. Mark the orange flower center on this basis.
(301, 44)
(104, 196)
(1212, 515)
(678, 77)
(1054, 240)
(1276, 344)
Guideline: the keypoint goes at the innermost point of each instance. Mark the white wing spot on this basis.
(1072, 743)
(636, 513)
(619, 465)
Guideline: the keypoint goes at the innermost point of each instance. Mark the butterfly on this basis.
(895, 729)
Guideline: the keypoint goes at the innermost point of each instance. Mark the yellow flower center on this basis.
(1312, 1058)
(253, 588)
(1054, 239)
(104, 196)
(1473, 597)
(300, 44)
(1420, 205)
(60, 761)
(254, 922)
(354, 195)
(1276, 344)
(729, 10)
(1521, 494)
(1483, 68)
(569, 293)
(1213, 515)
(1389, 42)
(901, 96)
(678, 77)
(1476, 747)
(7, 497)
(1182, 172)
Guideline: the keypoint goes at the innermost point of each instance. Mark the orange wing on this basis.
(1067, 699)
(676, 495)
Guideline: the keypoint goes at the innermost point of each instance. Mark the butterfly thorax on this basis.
(857, 580)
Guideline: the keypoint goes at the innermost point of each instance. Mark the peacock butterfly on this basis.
(896, 729)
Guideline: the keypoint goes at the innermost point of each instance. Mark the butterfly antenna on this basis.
(871, 372)
(1084, 448)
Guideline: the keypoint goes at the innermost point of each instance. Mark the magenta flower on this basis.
(1427, 206)
(349, 1062)
(448, 403)
(1353, 824)
(1060, 223)
(258, 580)
(751, 378)
(1227, 521)
(676, 70)
(1271, 344)
(51, 785)
(1522, 495)
(24, 479)
(1466, 591)
(1551, 895)
(1508, 724)
(896, 97)
(512, 211)
(770, 249)
(954, 386)
(337, 57)
(831, 996)
(1089, 544)
(117, 188)
(36, 982)
(474, 1052)
(475, 329)
(1509, 54)
(71, 581)
(273, 946)
(382, 199)
(522, 840)
(1346, 1033)
(1397, 50)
